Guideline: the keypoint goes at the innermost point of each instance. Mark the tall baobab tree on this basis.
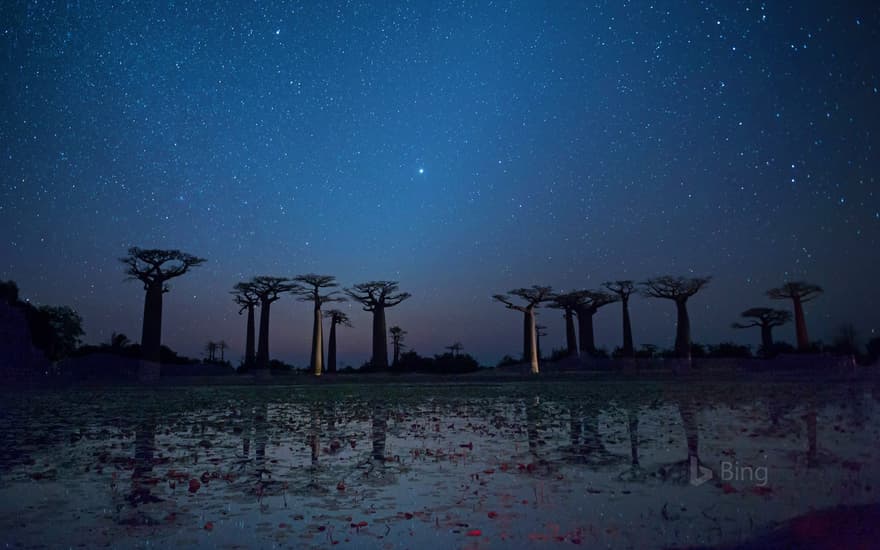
(766, 318)
(376, 297)
(623, 290)
(244, 295)
(268, 290)
(590, 302)
(337, 317)
(309, 288)
(397, 336)
(154, 268)
(799, 293)
(679, 290)
(568, 302)
(533, 298)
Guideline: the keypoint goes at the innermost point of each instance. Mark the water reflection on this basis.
(422, 464)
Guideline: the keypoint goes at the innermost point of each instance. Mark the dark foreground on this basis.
(571, 462)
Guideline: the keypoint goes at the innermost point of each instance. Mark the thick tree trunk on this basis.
(585, 331)
(533, 359)
(249, 339)
(767, 339)
(803, 340)
(682, 331)
(628, 350)
(570, 338)
(318, 343)
(151, 335)
(331, 348)
(263, 346)
(380, 347)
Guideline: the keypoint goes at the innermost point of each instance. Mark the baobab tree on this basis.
(245, 296)
(376, 297)
(337, 317)
(309, 288)
(268, 290)
(568, 302)
(154, 268)
(540, 332)
(397, 336)
(589, 304)
(766, 318)
(679, 290)
(799, 293)
(533, 298)
(623, 290)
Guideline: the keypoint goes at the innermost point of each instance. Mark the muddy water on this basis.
(616, 465)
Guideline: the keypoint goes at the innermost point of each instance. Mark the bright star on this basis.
(421, 170)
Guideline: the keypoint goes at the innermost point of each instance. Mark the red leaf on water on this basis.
(474, 533)
(321, 528)
(362, 524)
(194, 485)
(340, 486)
(728, 488)
(489, 471)
(407, 515)
(282, 525)
(492, 515)
(503, 467)
(209, 526)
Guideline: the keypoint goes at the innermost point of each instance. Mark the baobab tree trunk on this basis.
(767, 339)
(682, 331)
(249, 339)
(318, 343)
(533, 341)
(570, 339)
(380, 348)
(803, 340)
(627, 331)
(151, 335)
(585, 330)
(263, 347)
(331, 348)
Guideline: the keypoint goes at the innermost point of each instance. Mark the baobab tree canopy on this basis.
(376, 297)
(674, 288)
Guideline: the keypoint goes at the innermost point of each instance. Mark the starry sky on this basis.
(462, 148)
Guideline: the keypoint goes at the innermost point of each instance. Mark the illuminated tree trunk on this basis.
(249, 338)
(628, 350)
(318, 343)
(331, 348)
(527, 338)
(263, 347)
(682, 331)
(151, 335)
(380, 348)
(803, 339)
(533, 341)
(570, 338)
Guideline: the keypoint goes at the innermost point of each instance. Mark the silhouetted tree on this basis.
(244, 295)
(766, 318)
(154, 268)
(119, 341)
(455, 348)
(268, 290)
(589, 303)
(221, 347)
(56, 330)
(679, 290)
(376, 297)
(309, 290)
(539, 333)
(623, 290)
(397, 336)
(211, 349)
(846, 341)
(568, 302)
(799, 293)
(533, 297)
(336, 318)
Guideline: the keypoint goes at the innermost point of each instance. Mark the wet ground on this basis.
(609, 464)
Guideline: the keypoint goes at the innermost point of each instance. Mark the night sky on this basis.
(463, 149)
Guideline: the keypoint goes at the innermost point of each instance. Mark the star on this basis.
(421, 170)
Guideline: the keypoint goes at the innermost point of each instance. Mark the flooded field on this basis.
(612, 465)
